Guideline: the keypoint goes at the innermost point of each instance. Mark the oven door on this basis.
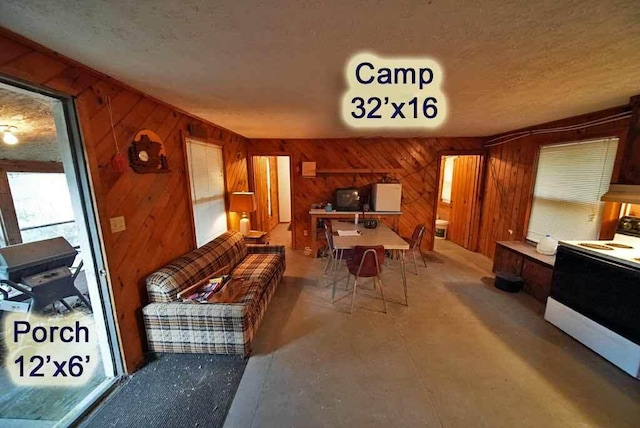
(604, 291)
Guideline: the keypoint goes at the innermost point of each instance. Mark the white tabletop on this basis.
(342, 213)
(381, 235)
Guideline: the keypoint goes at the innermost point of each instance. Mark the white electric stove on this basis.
(623, 248)
(595, 294)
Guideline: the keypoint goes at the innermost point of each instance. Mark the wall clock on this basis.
(147, 154)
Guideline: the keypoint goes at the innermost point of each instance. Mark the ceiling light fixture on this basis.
(8, 136)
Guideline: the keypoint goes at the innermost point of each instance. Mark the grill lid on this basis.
(20, 260)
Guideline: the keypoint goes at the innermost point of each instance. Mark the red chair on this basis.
(366, 262)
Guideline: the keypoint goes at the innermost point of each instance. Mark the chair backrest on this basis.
(367, 261)
(418, 234)
(418, 231)
(329, 235)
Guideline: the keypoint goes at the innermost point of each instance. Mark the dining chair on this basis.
(335, 255)
(366, 262)
(414, 244)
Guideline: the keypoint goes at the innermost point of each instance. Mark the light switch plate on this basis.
(117, 224)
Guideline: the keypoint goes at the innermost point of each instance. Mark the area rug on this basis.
(174, 390)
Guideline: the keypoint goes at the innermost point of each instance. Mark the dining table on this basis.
(381, 235)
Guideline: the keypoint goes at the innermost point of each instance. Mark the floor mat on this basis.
(174, 390)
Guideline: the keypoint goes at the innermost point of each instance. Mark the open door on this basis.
(465, 201)
(265, 184)
(270, 178)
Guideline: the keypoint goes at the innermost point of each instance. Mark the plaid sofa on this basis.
(213, 328)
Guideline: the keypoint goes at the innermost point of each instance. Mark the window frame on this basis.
(32, 168)
(610, 208)
(186, 138)
(74, 158)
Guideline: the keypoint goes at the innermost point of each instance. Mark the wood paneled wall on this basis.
(413, 159)
(510, 176)
(155, 206)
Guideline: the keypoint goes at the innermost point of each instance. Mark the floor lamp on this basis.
(243, 202)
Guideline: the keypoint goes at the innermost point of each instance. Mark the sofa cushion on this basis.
(260, 267)
(227, 249)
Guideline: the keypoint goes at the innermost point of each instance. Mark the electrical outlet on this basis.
(305, 233)
(117, 224)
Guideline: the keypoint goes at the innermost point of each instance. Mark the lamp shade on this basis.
(242, 202)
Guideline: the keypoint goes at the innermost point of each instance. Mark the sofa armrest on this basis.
(265, 249)
(214, 328)
(185, 309)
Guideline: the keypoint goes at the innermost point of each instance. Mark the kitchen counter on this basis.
(528, 250)
(522, 259)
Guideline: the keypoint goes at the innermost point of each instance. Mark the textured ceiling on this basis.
(276, 68)
(36, 129)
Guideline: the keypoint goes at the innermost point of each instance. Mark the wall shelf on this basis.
(358, 170)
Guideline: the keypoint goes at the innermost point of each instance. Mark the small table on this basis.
(316, 214)
(229, 292)
(381, 235)
(257, 237)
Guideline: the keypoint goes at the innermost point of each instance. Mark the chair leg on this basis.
(326, 265)
(353, 296)
(384, 302)
(424, 260)
(415, 264)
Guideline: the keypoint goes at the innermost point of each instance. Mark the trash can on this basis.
(441, 229)
(507, 281)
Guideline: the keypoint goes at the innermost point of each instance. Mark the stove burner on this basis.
(595, 246)
(623, 246)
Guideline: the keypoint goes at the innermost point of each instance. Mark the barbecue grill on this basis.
(36, 275)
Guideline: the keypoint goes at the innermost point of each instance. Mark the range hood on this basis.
(628, 193)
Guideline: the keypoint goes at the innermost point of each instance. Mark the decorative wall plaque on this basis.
(147, 154)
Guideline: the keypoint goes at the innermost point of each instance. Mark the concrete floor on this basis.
(462, 354)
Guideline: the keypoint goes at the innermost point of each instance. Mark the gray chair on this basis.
(414, 244)
(334, 255)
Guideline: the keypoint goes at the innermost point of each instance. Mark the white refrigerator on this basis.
(386, 197)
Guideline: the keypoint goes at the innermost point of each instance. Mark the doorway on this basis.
(270, 180)
(459, 199)
(46, 208)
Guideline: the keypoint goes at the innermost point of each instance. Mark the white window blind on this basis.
(570, 180)
(206, 174)
(447, 179)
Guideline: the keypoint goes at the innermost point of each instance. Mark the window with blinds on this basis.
(206, 174)
(570, 180)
